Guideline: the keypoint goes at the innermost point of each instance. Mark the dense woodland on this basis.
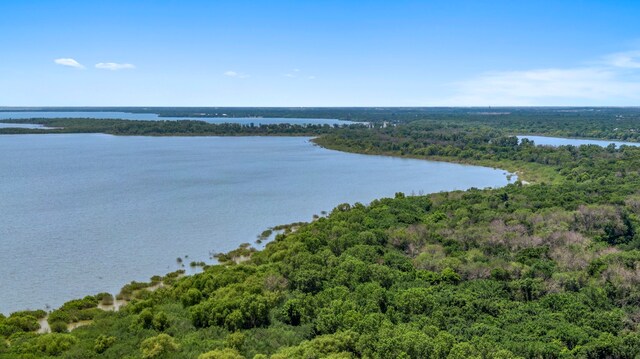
(549, 269)
(165, 128)
(601, 122)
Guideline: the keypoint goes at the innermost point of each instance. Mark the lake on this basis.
(6, 115)
(561, 141)
(88, 213)
(23, 125)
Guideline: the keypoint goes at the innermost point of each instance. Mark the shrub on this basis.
(103, 343)
(226, 353)
(58, 326)
(160, 322)
(159, 345)
(55, 343)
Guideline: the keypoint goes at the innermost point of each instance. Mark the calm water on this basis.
(21, 125)
(154, 117)
(560, 141)
(82, 214)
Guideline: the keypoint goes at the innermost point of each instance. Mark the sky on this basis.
(319, 53)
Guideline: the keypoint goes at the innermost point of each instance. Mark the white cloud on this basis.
(295, 73)
(114, 66)
(69, 62)
(630, 59)
(612, 83)
(238, 75)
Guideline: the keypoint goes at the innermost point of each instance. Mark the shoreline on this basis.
(509, 168)
(506, 173)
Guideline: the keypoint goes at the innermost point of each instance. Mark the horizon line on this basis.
(314, 107)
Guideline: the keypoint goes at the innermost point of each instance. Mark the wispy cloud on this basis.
(69, 62)
(235, 74)
(296, 73)
(630, 59)
(113, 66)
(614, 81)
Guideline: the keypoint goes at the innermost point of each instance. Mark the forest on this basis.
(164, 128)
(547, 267)
(597, 122)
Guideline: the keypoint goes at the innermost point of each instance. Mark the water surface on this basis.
(23, 125)
(87, 213)
(561, 141)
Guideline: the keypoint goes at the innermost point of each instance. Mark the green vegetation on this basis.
(546, 270)
(164, 128)
(596, 122)
(240, 254)
(74, 311)
(104, 298)
(24, 321)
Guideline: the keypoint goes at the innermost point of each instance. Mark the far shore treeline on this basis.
(612, 123)
(164, 128)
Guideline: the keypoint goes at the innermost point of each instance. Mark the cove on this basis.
(88, 213)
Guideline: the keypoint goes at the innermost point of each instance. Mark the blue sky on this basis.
(319, 53)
